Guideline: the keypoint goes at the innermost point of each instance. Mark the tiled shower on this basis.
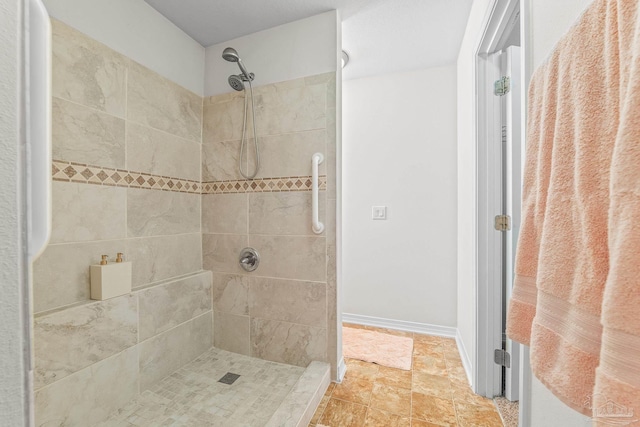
(145, 167)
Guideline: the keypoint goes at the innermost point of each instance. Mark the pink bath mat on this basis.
(383, 349)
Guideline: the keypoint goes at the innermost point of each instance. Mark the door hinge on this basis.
(502, 358)
(502, 86)
(502, 223)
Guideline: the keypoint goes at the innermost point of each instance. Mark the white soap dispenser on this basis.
(110, 280)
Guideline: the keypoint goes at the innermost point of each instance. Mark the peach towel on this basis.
(383, 349)
(576, 297)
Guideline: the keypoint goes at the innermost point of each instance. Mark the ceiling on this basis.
(380, 36)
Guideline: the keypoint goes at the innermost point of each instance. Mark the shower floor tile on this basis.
(193, 395)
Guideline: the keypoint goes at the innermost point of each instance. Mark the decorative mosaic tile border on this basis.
(87, 174)
(263, 185)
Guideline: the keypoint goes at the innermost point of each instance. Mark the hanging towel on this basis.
(617, 389)
(578, 257)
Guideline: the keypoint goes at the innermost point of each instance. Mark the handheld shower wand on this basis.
(237, 83)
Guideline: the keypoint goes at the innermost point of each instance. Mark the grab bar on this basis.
(316, 226)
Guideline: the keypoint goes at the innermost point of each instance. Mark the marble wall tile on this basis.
(285, 85)
(156, 152)
(87, 212)
(220, 252)
(61, 273)
(223, 118)
(156, 213)
(160, 258)
(334, 349)
(290, 109)
(231, 332)
(331, 157)
(231, 293)
(223, 97)
(287, 342)
(87, 72)
(220, 161)
(283, 213)
(69, 340)
(170, 350)
(159, 103)
(224, 213)
(90, 395)
(334, 330)
(85, 135)
(289, 301)
(290, 154)
(330, 229)
(291, 257)
(165, 306)
(331, 90)
(320, 78)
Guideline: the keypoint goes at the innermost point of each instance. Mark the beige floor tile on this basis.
(451, 352)
(433, 409)
(319, 410)
(463, 393)
(420, 423)
(394, 377)
(426, 349)
(354, 389)
(430, 365)
(435, 393)
(359, 368)
(330, 389)
(377, 418)
(340, 413)
(428, 339)
(458, 376)
(391, 399)
(474, 415)
(434, 385)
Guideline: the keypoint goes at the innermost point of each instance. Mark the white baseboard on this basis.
(342, 369)
(400, 325)
(466, 362)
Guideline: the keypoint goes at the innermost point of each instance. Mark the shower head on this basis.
(231, 55)
(235, 81)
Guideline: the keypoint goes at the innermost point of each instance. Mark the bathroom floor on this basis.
(434, 393)
(193, 395)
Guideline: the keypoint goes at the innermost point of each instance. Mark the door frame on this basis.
(486, 379)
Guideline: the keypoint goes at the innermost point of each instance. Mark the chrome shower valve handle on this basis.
(249, 259)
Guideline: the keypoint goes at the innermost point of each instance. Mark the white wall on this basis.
(548, 21)
(12, 369)
(297, 49)
(138, 31)
(548, 411)
(466, 155)
(399, 150)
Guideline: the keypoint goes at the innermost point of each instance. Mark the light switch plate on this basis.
(379, 212)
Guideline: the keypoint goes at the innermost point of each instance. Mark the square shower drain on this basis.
(229, 378)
